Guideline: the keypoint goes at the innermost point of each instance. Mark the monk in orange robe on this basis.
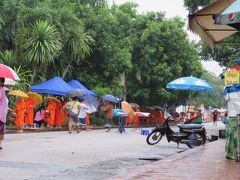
(136, 118)
(128, 121)
(59, 116)
(29, 118)
(19, 109)
(51, 108)
(87, 119)
(64, 115)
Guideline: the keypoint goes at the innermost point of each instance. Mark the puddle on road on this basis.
(151, 159)
(99, 170)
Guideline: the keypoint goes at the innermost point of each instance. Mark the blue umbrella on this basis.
(190, 84)
(111, 98)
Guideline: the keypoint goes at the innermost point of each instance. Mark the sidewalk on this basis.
(204, 162)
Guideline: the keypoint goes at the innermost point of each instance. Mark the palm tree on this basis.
(77, 46)
(8, 57)
(40, 44)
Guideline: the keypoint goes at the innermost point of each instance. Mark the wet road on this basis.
(87, 155)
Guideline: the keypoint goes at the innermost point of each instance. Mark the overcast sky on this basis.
(171, 8)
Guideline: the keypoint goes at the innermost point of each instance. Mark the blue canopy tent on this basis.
(77, 85)
(54, 86)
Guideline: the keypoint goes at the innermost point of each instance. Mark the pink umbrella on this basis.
(7, 72)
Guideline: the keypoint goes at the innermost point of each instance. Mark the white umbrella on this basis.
(10, 82)
(91, 102)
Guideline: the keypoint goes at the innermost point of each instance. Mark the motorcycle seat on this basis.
(190, 126)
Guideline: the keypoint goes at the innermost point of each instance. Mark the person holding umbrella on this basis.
(20, 108)
(72, 107)
(108, 116)
(52, 104)
(29, 118)
(3, 110)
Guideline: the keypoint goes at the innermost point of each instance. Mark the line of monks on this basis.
(54, 115)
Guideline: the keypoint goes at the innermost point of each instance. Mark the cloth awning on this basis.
(230, 16)
(54, 86)
(202, 23)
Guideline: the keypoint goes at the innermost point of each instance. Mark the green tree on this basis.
(224, 52)
(8, 57)
(158, 59)
(193, 5)
(215, 98)
(77, 46)
(40, 45)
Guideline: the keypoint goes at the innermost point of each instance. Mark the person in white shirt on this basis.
(82, 114)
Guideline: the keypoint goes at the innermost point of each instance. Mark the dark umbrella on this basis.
(159, 108)
(134, 105)
(76, 93)
(110, 98)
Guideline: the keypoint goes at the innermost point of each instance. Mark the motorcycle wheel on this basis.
(195, 140)
(154, 137)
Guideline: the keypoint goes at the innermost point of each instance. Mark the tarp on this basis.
(54, 86)
(77, 85)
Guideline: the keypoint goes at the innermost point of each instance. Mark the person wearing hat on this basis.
(3, 110)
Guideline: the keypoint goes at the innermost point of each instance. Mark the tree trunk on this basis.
(34, 73)
(66, 69)
(13, 29)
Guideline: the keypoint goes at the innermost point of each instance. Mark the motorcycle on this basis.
(192, 135)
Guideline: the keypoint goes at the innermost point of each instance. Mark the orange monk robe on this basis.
(87, 119)
(51, 107)
(19, 110)
(29, 118)
(128, 121)
(136, 118)
(159, 117)
(59, 115)
(151, 117)
(64, 115)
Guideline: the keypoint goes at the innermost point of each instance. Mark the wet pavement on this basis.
(99, 155)
(205, 162)
(87, 155)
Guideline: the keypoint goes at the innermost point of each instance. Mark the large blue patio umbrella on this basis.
(190, 84)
